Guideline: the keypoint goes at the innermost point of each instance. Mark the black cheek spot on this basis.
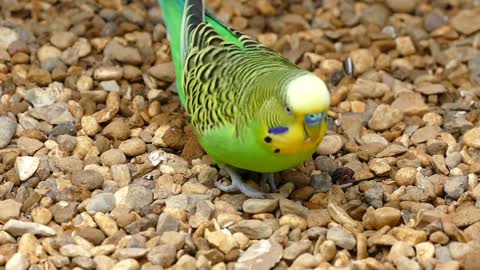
(277, 150)
(268, 139)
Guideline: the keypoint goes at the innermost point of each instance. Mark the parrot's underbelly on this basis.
(248, 151)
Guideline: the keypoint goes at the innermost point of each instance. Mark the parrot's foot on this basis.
(238, 185)
(267, 178)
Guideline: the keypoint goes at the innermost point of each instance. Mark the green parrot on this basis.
(252, 109)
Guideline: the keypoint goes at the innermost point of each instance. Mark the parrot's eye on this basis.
(288, 110)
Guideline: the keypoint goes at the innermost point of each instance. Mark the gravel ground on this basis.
(99, 168)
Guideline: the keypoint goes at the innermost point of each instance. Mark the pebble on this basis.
(7, 37)
(341, 237)
(263, 254)
(404, 263)
(330, 145)
(17, 262)
(9, 209)
(106, 223)
(103, 202)
(455, 186)
(117, 129)
(386, 216)
(466, 21)
(8, 127)
(18, 228)
(127, 264)
(406, 176)
(385, 117)
(293, 221)
(88, 179)
(256, 206)
(107, 73)
(164, 72)
(133, 147)
(291, 252)
(424, 134)
(321, 182)
(405, 45)
(410, 104)
(253, 229)
(292, 207)
(401, 6)
(363, 60)
(26, 166)
(472, 137)
(63, 40)
(163, 255)
(431, 89)
(113, 157)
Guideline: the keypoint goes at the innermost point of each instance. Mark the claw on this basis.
(267, 178)
(239, 185)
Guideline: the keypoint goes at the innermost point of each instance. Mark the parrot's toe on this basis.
(239, 185)
(267, 178)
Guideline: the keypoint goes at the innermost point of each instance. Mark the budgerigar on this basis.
(252, 109)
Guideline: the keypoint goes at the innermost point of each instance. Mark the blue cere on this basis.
(314, 119)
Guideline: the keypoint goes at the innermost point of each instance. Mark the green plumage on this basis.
(233, 88)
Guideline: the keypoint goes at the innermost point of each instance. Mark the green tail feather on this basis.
(172, 16)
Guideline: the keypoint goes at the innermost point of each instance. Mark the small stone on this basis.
(103, 202)
(164, 72)
(166, 222)
(41, 215)
(321, 182)
(471, 260)
(106, 73)
(93, 235)
(425, 252)
(406, 176)
(106, 223)
(9, 209)
(134, 196)
(404, 263)
(472, 137)
(410, 104)
(17, 262)
(88, 179)
(374, 196)
(253, 229)
(63, 40)
(121, 174)
(326, 164)
(127, 264)
(466, 21)
(459, 250)
(379, 166)
(263, 254)
(318, 218)
(292, 207)
(431, 89)
(256, 206)
(29, 145)
(110, 85)
(26, 166)
(404, 44)
(70, 250)
(330, 145)
(295, 249)
(363, 60)
(455, 186)
(293, 221)
(64, 211)
(402, 6)
(117, 129)
(221, 240)
(424, 134)
(341, 237)
(163, 255)
(18, 228)
(7, 37)
(133, 147)
(113, 157)
(400, 249)
(384, 117)
(386, 216)
(8, 127)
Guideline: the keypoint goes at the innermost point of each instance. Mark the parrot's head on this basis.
(307, 100)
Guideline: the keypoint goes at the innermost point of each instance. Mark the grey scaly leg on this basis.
(238, 185)
(267, 178)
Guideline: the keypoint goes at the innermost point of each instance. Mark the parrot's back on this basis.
(173, 15)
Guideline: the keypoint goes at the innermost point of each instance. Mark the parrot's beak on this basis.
(312, 133)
